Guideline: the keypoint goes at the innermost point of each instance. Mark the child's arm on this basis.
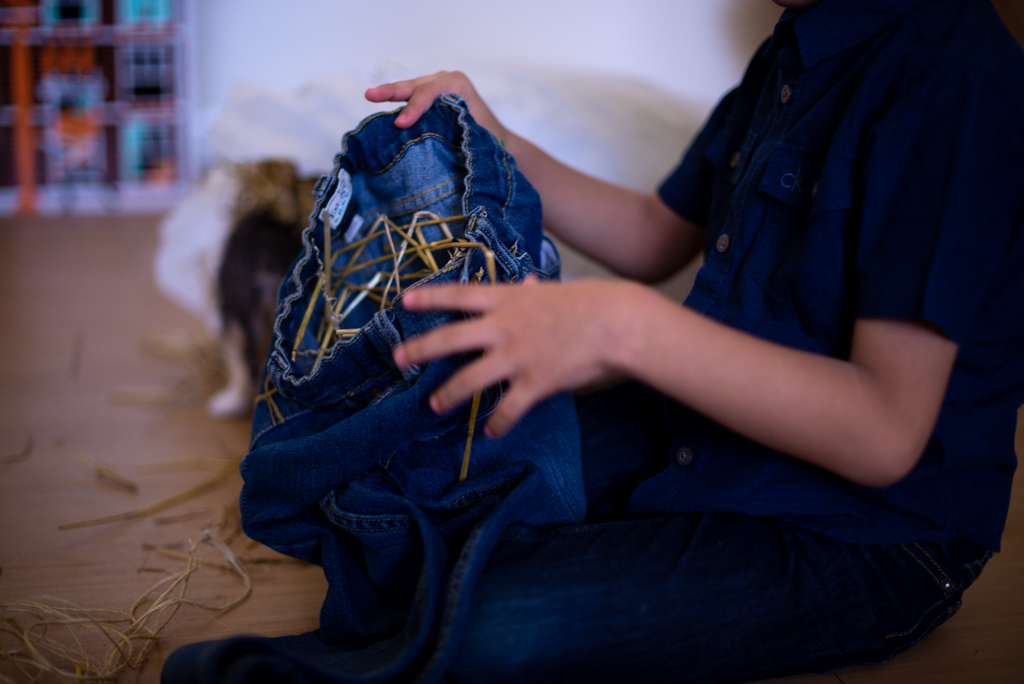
(634, 234)
(867, 419)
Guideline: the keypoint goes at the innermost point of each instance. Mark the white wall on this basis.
(695, 49)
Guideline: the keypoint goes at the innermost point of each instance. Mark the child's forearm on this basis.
(867, 419)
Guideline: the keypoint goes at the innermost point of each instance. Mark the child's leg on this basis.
(693, 597)
(701, 597)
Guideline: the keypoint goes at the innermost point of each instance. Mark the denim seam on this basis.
(918, 623)
(347, 395)
(405, 148)
(938, 567)
(416, 196)
(499, 254)
(899, 649)
(921, 563)
(455, 582)
(311, 407)
(981, 561)
(575, 529)
(363, 124)
(466, 152)
(396, 528)
(413, 208)
(461, 500)
(356, 518)
(272, 426)
(508, 179)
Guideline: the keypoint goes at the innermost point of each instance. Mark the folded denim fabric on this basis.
(349, 467)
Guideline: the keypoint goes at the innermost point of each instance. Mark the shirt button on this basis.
(722, 246)
(684, 456)
(735, 160)
(786, 93)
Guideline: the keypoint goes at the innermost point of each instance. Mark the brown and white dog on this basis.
(269, 214)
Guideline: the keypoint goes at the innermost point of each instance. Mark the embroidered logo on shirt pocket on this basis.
(800, 177)
(790, 176)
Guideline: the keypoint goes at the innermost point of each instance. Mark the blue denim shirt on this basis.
(870, 164)
(349, 467)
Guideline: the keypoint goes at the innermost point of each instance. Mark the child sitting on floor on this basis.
(833, 462)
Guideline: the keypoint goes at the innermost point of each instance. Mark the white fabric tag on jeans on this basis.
(353, 228)
(339, 201)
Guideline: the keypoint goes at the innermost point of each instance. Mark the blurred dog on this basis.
(270, 212)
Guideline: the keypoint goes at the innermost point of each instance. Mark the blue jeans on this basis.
(349, 467)
(694, 597)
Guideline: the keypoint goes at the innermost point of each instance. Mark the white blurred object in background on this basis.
(614, 127)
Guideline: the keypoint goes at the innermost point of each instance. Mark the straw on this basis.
(46, 636)
(162, 505)
(105, 472)
(474, 407)
(345, 302)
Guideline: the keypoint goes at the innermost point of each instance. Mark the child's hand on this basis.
(421, 92)
(543, 338)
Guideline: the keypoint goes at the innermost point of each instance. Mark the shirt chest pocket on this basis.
(805, 235)
(809, 181)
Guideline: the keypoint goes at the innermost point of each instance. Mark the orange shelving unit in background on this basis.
(93, 114)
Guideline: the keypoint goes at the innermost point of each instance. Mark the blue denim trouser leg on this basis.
(702, 597)
(675, 598)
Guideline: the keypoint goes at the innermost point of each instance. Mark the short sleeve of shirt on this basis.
(941, 200)
(687, 190)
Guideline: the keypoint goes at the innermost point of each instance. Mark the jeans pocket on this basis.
(945, 570)
(386, 545)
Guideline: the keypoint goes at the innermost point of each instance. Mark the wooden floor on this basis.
(77, 301)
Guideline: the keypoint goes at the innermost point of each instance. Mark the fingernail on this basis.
(399, 356)
(435, 404)
(409, 299)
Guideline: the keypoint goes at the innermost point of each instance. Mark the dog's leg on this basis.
(235, 399)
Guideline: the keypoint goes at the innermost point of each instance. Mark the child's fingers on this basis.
(486, 371)
(470, 298)
(454, 338)
(420, 101)
(391, 92)
(522, 396)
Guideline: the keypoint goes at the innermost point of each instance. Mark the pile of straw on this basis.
(50, 636)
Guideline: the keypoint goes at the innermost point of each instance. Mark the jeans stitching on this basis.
(412, 197)
(919, 562)
(416, 207)
(918, 623)
(372, 531)
(468, 180)
(508, 179)
(356, 518)
(575, 529)
(455, 583)
(458, 502)
(934, 562)
(405, 147)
